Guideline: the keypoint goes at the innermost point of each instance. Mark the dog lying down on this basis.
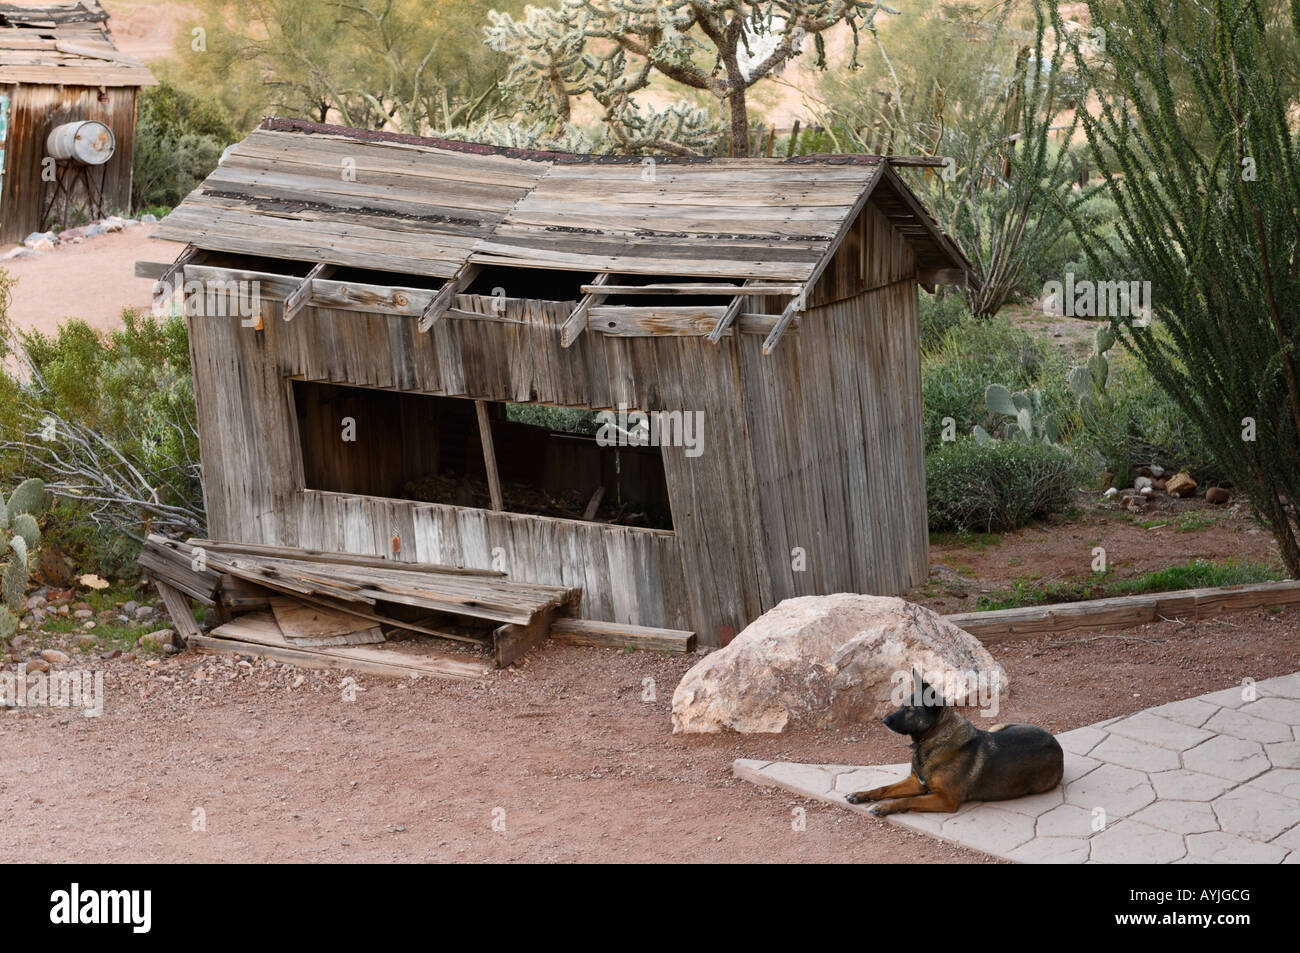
(953, 761)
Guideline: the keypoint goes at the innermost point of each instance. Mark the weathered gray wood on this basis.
(301, 295)
(576, 323)
(611, 635)
(441, 301)
(489, 454)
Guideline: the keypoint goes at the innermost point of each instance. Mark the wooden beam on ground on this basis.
(799, 301)
(299, 297)
(446, 295)
(614, 635)
(489, 455)
(1005, 625)
(511, 642)
(576, 322)
(330, 556)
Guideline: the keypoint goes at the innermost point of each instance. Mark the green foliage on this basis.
(615, 52)
(107, 420)
(564, 419)
(1196, 124)
(956, 374)
(178, 140)
(938, 314)
(1025, 408)
(987, 89)
(18, 538)
(999, 485)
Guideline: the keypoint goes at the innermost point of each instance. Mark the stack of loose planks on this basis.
(339, 610)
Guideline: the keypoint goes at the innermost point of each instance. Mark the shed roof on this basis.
(64, 43)
(306, 191)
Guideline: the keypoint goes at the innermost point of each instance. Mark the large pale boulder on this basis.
(832, 661)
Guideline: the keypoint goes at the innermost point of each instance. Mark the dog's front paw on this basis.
(860, 797)
(881, 808)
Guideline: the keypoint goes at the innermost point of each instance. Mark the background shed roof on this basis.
(64, 43)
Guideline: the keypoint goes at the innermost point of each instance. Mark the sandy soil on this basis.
(93, 281)
(583, 768)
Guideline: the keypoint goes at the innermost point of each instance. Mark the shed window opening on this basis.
(530, 459)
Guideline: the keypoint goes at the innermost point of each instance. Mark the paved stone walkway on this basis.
(1212, 779)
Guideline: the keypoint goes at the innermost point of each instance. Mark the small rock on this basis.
(1134, 504)
(1146, 491)
(116, 653)
(1180, 485)
(38, 665)
(158, 639)
(148, 218)
(1157, 470)
(1142, 483)
(35, 602)
(94, 228)
(144, 612)
(86, 641)
(1111, 493)
(1217, 495)
(20, 252)
(55, 656)
(113, 224)
(83, 614)
(130, 608)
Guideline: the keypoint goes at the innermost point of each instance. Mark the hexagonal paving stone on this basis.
(1290, 840)
(1283, 686)
(1284, 710)
(1154, 730)
(1034, 804)
(1217, 847)
(1187, 785)
(811, 778)
(1189, 711)
(1076, 766)
(864, 779)
(1052, 850)
(1067, 821)
(1224, 757)
(1132, 842)
(1119, 791)
(1228, 698)
(1284, 781)
(1284, 754)
(989, 829)
(1118, 749)
(1256, 814)
(1238, 724)
(1181, 817)
(1081, 740)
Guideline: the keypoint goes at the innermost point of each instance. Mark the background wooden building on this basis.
(420, 290)
(58, 64)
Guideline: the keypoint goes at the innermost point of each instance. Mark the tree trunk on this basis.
(738, 113)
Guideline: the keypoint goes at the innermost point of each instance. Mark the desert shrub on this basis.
(937, 315)
(107, 421)
(1144, 425)
(973, 354)
(998, 486)
(178, 140)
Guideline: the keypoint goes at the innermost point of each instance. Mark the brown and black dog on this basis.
(953, 761)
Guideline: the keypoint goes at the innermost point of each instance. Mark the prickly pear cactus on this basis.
(1088, 381)
(19, 535)
(1024, 407)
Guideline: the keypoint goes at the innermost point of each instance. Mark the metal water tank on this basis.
(88, 141)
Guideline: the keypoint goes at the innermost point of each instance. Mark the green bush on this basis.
(107, 421)
(998, 486)
(938, 314)
(178, 140)
(973, 354)
(1143, 426)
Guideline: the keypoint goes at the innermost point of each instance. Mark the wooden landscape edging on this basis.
(1005, 625)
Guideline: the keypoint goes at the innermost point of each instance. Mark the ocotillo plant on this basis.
(19, 535)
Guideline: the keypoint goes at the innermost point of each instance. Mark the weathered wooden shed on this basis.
(58, 64)
(419, 297)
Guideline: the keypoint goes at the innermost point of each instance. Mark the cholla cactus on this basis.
(19, 535)
(1024, 406)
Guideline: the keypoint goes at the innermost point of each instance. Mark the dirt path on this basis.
(583, 768)
(93, 281)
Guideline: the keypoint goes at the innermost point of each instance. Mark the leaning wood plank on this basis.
(730, 315)
(593, 504)
(489, 455)
(457, 283)
(299, 297)
(798, 302)
(616, 636)
(331, 556)
(576, 322)
(178, 607)
(1007, 624)
(446, 665)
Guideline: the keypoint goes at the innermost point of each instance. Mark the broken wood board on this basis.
(314, 626)
(178, 607)
(616, 635)
(357, 658)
